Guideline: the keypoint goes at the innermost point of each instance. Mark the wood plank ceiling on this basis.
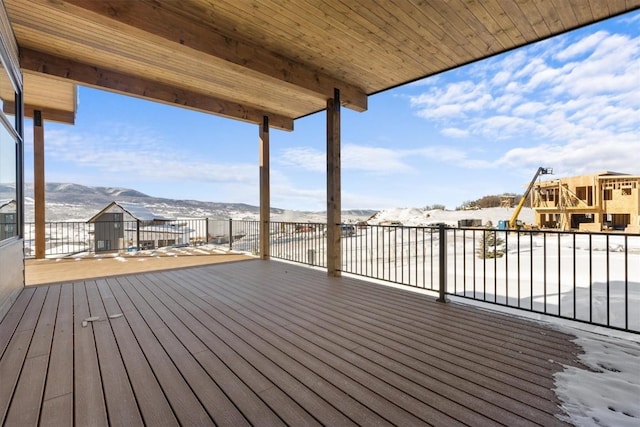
(245, 59)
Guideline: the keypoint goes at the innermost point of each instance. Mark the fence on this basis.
(587, 277)
(69, 238)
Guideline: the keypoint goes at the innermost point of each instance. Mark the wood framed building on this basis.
(602, 201)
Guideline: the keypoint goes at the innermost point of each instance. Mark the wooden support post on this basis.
(334, 248)
(38, 183)
(265, 204)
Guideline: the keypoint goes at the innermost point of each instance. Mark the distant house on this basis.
(121, 226)
(7, 219)
(602, 201)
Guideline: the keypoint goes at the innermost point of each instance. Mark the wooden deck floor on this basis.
(268, 343)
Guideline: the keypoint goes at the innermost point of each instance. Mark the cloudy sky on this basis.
(571, 103)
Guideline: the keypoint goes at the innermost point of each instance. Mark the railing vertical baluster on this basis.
(455, 264)
(531, 271)
(506, 265)
(432, 283)
(518, 269)
(608, 282)
(590, 278)
(495, 268)
(575, 283)
(544, 271)
(464, 261)
(484, 266)
(442, 236)
(401, 255)
(473, 247)
(626, 282)
(559, 276)
(423, 261)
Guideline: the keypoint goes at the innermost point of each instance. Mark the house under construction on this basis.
(603, 201)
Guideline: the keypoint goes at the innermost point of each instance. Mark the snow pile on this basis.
(423, 217)
(609, 393)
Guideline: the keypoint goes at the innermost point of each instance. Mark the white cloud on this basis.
(586, 44)
(304, 158)
(455, 132)
(353, 157)
(578, 157)
(529, 108)
(445, 154)
(582, 115)
(129, 152)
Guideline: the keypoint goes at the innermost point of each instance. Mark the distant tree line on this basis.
(435, 207)
(492, 201)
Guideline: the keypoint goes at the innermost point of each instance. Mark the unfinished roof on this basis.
(247, 59)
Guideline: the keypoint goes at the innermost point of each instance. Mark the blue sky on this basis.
(571, 103)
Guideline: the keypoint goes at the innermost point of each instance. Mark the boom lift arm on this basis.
(513, 222)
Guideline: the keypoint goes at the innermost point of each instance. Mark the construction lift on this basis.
(513, 223)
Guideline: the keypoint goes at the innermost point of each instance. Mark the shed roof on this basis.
(249, 58)
(6, 202)
(137, 211)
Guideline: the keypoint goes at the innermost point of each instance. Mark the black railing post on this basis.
(442, 297)
(230, 234)
(137, 235)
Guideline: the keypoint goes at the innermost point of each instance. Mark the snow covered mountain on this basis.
(75, 202)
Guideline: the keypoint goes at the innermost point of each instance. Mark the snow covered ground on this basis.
(608, 393)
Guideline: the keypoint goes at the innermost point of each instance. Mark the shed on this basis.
(8, 219)
(122, 225)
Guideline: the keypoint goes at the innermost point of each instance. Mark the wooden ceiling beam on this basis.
(92, 76)
(48, 114)
(182, 32)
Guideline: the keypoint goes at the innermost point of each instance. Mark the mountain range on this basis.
(76, 202)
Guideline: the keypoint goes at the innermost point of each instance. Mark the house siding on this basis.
(11, 273)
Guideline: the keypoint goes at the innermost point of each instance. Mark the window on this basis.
(626, 191)
(103, 245)
(8, 169)
(607, 195)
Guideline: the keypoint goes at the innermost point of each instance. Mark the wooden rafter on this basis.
(137, 86)
(48, 114)
(183, 33)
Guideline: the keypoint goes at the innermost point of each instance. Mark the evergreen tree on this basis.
(491, 246)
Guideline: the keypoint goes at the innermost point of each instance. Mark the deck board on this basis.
(25, 406)
(121, 404)
(268, 343)
(184, 403)
(89, 404)
(457, 391)
(154, 408)
(356, 353)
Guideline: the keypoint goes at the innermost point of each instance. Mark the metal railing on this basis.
(586, 277)
(72, 238)
(301, 242)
